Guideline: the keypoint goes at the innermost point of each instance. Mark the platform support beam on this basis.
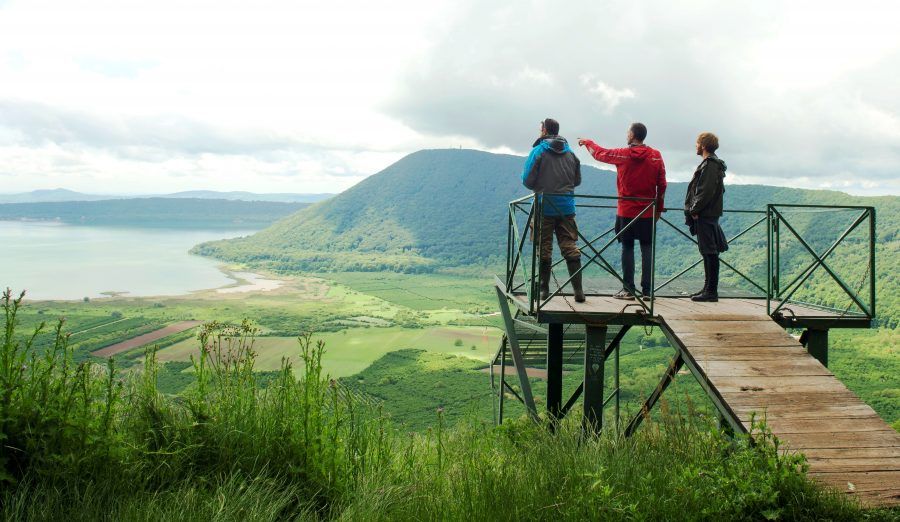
(594, 359)
(513, 341)
(816, 342)
(554, 370)
(667, 379)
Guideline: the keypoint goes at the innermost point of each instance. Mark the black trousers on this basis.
(711, 267)
(628, 265)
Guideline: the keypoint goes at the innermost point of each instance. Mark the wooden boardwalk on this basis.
(752, 366)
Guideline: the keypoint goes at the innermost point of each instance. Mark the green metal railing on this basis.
(521, 273)
(780, 296)
(517, 242)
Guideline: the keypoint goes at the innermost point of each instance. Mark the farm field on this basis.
(363, 317)
(352, 350)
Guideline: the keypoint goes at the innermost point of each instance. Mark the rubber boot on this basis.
(574, 266)
(705, 277)
(544, 280)
(711, 295)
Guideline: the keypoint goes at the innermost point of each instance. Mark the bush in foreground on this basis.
(82, 443)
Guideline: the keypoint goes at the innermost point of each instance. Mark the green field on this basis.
(352, 350)
(363, 317)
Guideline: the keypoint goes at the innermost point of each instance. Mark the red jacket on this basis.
(641, 174)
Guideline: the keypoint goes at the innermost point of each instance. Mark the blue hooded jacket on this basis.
(552, 167)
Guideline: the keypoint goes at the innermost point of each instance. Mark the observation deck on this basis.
(738, 349)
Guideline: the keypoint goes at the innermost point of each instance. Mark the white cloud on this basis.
(126, 96)
(607, 96)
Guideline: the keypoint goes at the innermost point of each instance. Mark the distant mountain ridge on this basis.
(60, 195)
(183, 213)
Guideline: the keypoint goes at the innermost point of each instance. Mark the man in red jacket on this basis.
(641, 174)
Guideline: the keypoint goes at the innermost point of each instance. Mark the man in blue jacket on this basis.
(553, 168)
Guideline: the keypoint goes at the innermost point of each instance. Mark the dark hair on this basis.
(709, 141)
(551, 126)
(639, 130)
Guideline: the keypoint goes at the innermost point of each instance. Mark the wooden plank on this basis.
(798, 367)
(854, 464)
(862, 480)
(855, 424)
(851, 439)
(800, 399)
(842, 453)
(761, 385)
(751, 354)
(737, 339)
(727, 327)
(773, 413)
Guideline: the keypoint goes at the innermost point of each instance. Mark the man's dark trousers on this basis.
(628, 265)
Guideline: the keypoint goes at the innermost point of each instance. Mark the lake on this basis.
(57, 261)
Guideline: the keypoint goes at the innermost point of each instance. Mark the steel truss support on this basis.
(513, 344)
(667, 379)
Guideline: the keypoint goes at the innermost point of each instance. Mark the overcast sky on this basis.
(152, 97)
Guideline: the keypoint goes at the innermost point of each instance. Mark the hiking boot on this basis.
(706, 297)
(544, 278)
(574, 266)
(624, 295)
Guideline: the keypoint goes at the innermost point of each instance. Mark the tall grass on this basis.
(84, 442)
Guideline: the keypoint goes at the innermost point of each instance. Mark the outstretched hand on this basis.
(582, 141)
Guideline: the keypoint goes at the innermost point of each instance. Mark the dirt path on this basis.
(147, 338)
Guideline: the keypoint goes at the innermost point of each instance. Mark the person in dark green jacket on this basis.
(703, 205)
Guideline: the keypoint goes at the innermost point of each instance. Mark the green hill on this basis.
(440, 209)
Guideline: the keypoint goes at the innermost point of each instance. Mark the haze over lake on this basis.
(56, 261)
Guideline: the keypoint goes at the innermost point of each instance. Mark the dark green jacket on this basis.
(706, 190)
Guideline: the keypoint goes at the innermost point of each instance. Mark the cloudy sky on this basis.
(150, 97)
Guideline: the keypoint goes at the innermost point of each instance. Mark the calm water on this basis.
(52, 261)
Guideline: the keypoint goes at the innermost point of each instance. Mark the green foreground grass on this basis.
(81, 444)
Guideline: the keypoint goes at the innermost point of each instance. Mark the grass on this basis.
(352, 350)
(81, 444)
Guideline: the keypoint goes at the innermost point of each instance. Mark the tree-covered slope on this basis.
(431, 208)
(448, 208)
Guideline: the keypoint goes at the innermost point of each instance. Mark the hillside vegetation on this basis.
(440, 210)
(80, 443)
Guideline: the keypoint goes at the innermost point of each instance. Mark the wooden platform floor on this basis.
(756, 368)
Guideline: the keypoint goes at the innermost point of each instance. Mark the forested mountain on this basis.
(436, 209)
(155, 212)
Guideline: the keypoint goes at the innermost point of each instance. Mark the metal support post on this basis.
(816, 342)
(616, 384)
(502, 391)
(594, 356)
(554, 369)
